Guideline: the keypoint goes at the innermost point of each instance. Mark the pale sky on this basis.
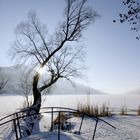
(113, 58)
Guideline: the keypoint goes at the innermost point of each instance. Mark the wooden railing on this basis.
(18, 116)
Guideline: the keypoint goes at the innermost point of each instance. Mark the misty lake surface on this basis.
(113, 101)
(10, 104)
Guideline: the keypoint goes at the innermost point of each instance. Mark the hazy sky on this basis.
(113, 53)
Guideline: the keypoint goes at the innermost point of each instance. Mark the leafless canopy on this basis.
(57, 53)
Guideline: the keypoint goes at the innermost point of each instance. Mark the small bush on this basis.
(94, 110)
(24, 105)
(63, 118)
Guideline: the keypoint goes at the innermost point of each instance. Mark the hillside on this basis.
(15, 74)
(133, 92)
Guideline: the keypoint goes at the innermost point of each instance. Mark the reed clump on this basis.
(123, 110)
(94, 110)
(138, 111)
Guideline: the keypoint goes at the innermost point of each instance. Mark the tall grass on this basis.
(123, 110)
(94, 110)
(138, 111)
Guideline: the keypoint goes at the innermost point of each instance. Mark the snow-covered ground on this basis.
(53, 136)
(127, 128)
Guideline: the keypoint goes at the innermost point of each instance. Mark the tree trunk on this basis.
(36, 94)
(29, 122)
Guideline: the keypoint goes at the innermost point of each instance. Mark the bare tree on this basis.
(3, 83)
(56, 54)
(132, 14)
(25, 87)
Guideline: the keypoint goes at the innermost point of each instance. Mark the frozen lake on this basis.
(9, 103)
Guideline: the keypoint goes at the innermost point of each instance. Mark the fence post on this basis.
(59, 126)
(15, 127)
(95, 129)
(81, 124)
(52, 120)
(18, 124)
